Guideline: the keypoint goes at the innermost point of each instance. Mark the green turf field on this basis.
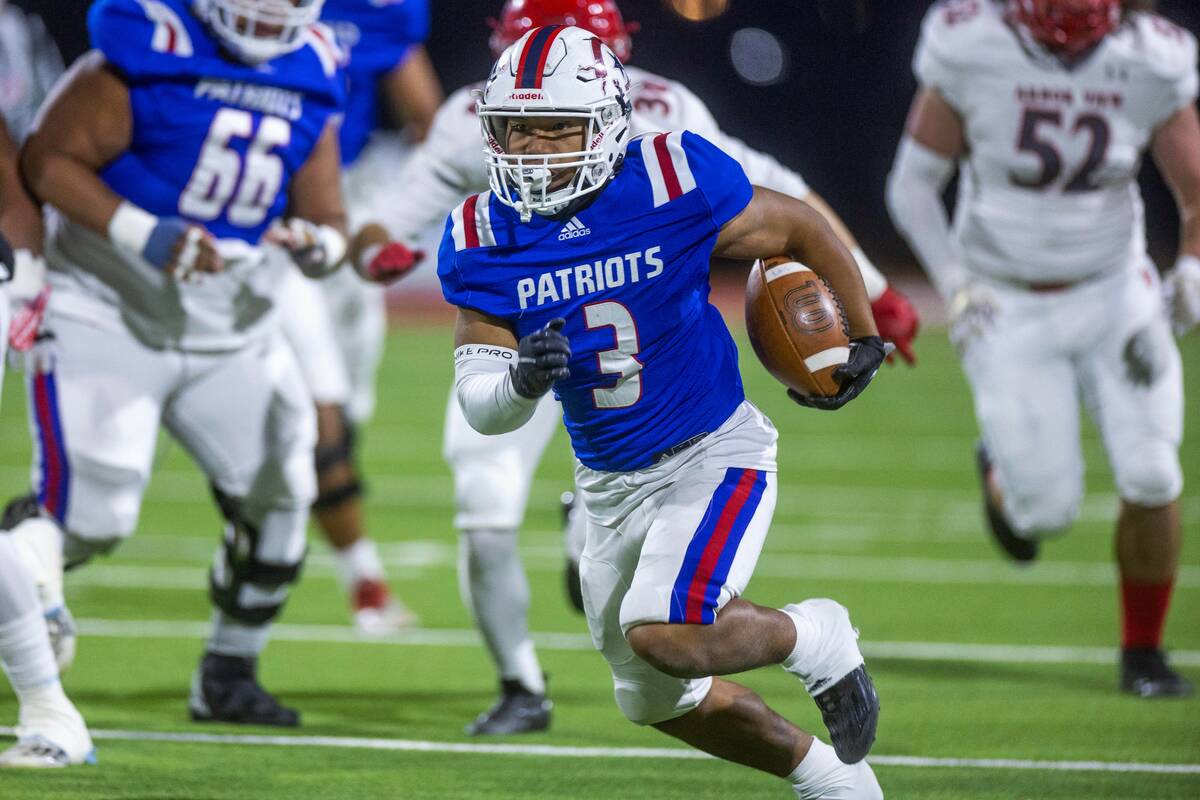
(878, 508)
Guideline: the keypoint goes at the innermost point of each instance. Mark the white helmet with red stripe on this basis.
(259, 30)
(555, 72)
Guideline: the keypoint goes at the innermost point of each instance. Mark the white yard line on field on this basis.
(859, 569)
(413, 489)
(465, 637)
(562, 751)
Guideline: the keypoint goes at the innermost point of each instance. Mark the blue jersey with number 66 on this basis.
(214, 141)
(652, 362)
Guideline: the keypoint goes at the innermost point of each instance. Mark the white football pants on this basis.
(1106, 342)
(97, 398)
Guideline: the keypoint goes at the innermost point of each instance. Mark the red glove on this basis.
(898, 322)
(23, 331)
(390, 262)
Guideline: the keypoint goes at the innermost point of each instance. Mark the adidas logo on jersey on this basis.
(573, 230)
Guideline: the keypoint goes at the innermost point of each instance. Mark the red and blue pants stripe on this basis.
(713, 547)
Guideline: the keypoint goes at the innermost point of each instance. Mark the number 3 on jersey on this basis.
(215, 178)
(621, 360)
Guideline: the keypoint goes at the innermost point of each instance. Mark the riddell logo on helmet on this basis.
(527, 96)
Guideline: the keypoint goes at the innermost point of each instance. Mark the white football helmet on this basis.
(259, 30)
(555, 71)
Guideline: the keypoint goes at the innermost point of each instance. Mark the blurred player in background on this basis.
(29, 65)
(1047, 107)
(170, 154)
(50, 730)
(337, 325)
(677, 469)
(492, 474)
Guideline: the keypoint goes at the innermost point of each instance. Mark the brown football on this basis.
(797, 325)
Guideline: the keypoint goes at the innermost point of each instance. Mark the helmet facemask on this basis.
(255, 31)
(580, 80)
(1069, 27)
(526, 182)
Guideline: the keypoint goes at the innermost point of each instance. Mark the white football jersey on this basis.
(1048, 189)
(449, 165)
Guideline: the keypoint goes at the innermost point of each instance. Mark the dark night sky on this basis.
(836, 117)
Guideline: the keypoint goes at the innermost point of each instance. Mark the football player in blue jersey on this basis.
(337, 326)
(677, 472)
(194, 138)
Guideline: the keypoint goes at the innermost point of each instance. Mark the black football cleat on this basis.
(18, 510)
(225, 689)
(517, 711)
(1144, 672)
(850, 710)
(1018, 549)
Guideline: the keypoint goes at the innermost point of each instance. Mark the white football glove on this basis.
(316, 249)
(1182, 289)
(973, 311)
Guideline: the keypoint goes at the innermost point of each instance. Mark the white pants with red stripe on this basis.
(98, 398)
(674, 543)
(1105, 342)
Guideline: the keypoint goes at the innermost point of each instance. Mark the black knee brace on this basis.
(241, 567)
(337, 454)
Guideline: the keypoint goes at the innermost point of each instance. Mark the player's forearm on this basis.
(69, 185)
(20, 219)
(875, 282)
(316, 191)
(414, 93)
(815, 245)
(1176, 150)
(485, 391)
(914, 200)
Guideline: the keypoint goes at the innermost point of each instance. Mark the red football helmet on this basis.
(1069, 26)
(601, 17)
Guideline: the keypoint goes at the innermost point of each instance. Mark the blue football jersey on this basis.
(652, 362)
(214, 140)
(379, 35)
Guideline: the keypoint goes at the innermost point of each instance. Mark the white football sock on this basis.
(494, 587)
(358, 562)
(233, 638)
(25, 651)
(826, 644)
(39, 542)
(822, 776)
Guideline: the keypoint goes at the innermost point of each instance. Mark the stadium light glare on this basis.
(758, 56)
(698, 10)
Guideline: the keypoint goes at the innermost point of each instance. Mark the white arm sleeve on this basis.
(485, 391)
(914, 200)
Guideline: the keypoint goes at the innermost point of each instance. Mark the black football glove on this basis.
(542, 359)
(866, 354)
